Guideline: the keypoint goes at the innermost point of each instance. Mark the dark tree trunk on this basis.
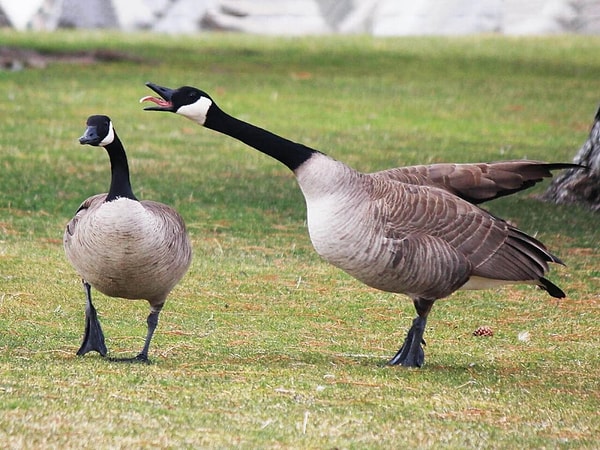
(580, 185)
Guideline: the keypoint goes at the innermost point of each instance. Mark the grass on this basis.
(262, 344)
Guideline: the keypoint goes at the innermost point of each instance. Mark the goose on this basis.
(124, 247)
(411, 230)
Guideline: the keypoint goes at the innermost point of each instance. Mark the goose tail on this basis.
(551, 288)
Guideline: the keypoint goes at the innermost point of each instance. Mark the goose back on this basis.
(478, 182)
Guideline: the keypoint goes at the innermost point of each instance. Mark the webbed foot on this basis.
(93, 338)
(411, 353)
(140, 358)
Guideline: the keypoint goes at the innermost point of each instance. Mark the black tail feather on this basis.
(551, 288)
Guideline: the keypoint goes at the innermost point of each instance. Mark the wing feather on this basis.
(479, 182)
(493, 248)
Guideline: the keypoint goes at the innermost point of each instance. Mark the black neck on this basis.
(120, 186)
(292, 154)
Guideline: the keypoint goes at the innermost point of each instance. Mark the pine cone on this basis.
(483, 331)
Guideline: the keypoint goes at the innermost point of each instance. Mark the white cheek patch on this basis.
(110, 137)
(197, 111)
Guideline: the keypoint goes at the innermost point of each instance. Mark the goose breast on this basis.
(128, 249)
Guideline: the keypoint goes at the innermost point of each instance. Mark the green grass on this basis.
(262, 344)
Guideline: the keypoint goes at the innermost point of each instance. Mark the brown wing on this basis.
(493, 248)
(476, 183)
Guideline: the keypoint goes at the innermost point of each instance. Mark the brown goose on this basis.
(124, 247)
(410, 230)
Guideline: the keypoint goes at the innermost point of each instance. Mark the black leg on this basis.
(152, 322)
(411, 353)
(93, 339)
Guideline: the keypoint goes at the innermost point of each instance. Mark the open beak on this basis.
(163, 103)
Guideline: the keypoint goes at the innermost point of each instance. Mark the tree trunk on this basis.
(580, 185)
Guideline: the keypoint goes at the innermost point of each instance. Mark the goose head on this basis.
(99, 131)
(188, 101)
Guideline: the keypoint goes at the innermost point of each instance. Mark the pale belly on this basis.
(121, 252)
